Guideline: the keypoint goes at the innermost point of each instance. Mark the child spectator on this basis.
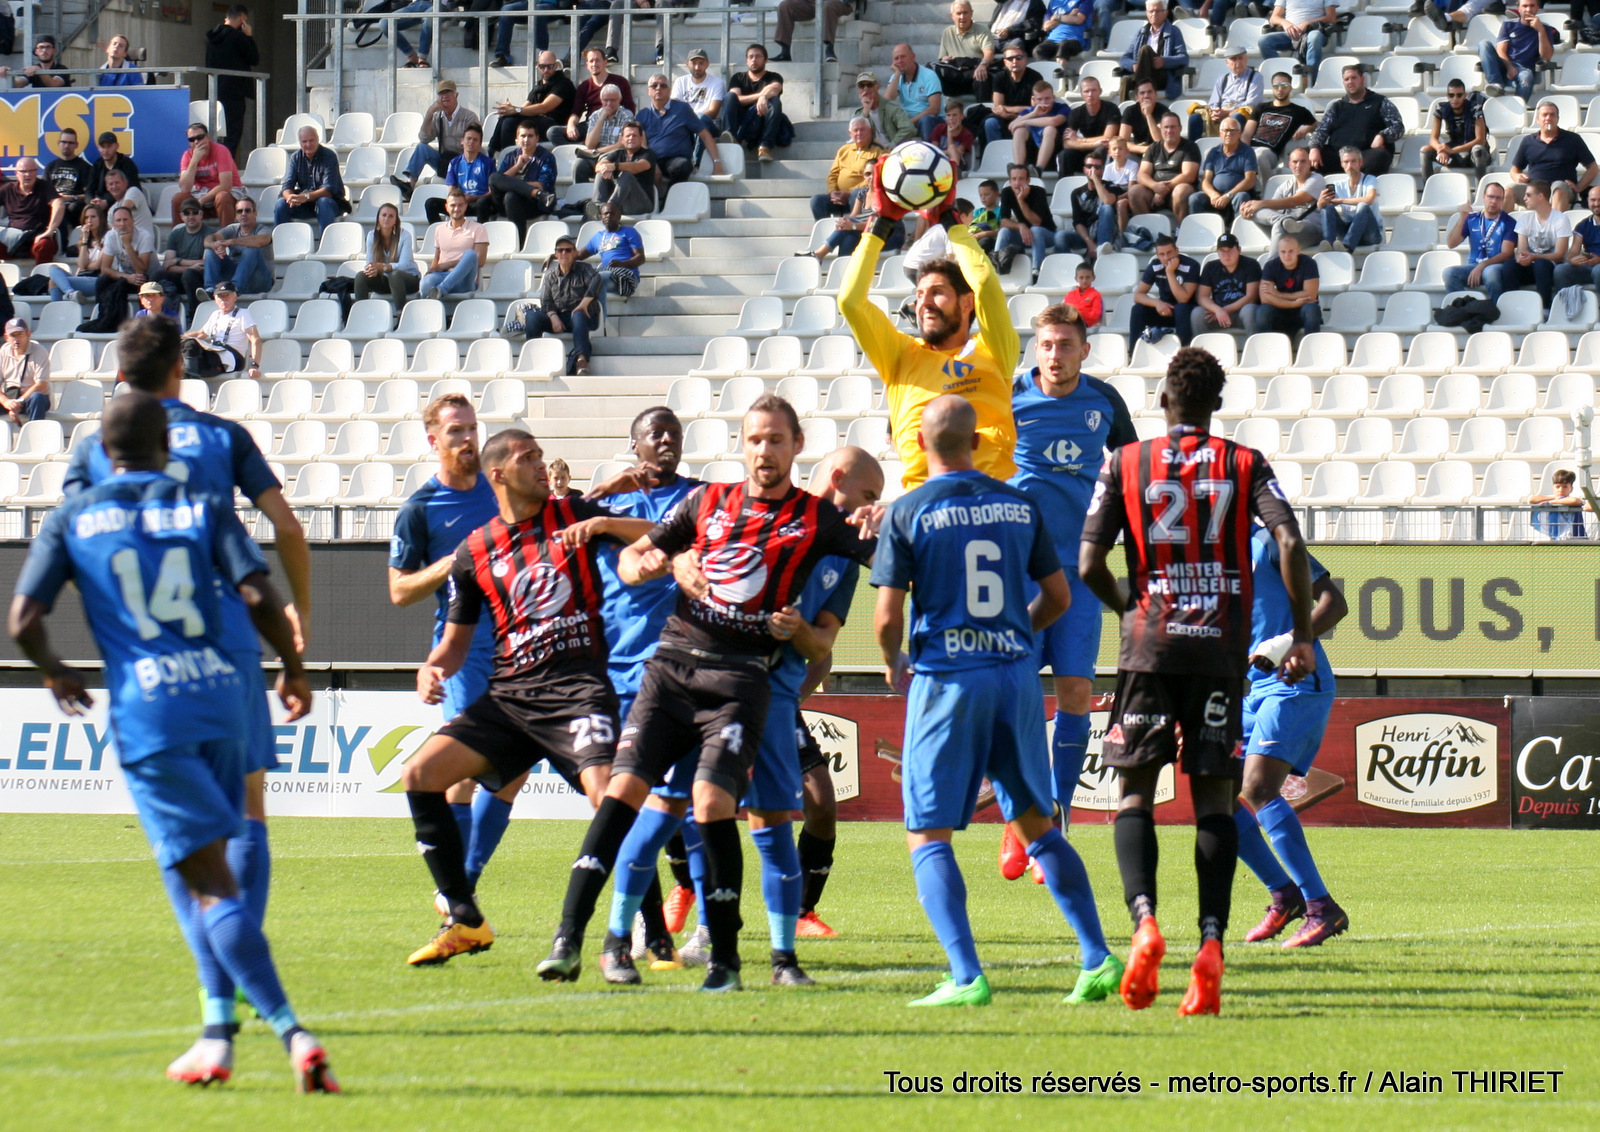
(1084, 297)
(1564, 519)
(954, 138)
(986, 217)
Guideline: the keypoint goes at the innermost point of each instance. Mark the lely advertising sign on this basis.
(1555, 763)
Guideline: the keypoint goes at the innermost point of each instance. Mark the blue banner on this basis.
(151, 124)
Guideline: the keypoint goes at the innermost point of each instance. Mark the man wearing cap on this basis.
(33, 215)
(152, 300)
(891, 125)
(208, 174)
(241, 253)
(228, 343)
(1237, 94)
(791, 12)
(111, 158)
(439, 139)
(46, 58)
(182, 268)
(704, 92)
(24, 375)
(850, 172)
(1229, 291)
(69, 176)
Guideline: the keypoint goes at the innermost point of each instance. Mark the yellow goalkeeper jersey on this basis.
(914, 373)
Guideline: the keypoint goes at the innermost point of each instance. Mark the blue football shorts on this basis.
(472, 681)
(1070, 645)
(775, 779)
(261, 742)
(1285, 724)
(189, 796)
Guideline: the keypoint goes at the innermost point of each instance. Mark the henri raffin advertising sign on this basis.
(1426, 763)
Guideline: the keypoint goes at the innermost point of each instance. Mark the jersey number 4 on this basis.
(172, 598)
(1174, 499)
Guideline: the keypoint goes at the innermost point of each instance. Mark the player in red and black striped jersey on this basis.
(535, 567)
(1184, 503)
(707, 685)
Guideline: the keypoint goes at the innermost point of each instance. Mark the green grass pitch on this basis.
(1468, 951)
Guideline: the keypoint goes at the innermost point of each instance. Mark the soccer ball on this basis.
(917, 175)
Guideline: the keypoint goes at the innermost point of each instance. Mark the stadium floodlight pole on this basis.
(1582, 425)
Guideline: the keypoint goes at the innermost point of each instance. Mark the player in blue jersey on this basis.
(151, 562)
(1066, 422)
(217, 457)
(1283, 726)
(965, 546)
(429, 527)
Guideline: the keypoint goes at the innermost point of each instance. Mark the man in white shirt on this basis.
(704, 92)
(133, 199)
(1543, 233)
(228, 342)
(125, 262)
(1294, 209)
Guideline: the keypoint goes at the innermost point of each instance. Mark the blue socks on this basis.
(462, 812)
(1282, 824)
(490, 817)
(943, 895)
(636, 866)
(1067, 748)
(242, 951)
(780, 881)
(250, 861)
(218, 1008)
(1254, 852)
(696, 849)
(1068, 882)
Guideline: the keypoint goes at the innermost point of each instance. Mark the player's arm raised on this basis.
(266, 610)
(874, 330)
(642, 561)
(605, 526)
(990, 298)
(650, 556)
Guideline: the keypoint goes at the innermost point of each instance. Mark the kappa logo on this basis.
(590, 862)
(721, 896)
(1115, 734)
(736, 573)
(541, 592)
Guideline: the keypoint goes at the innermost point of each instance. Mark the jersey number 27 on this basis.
(1167, 528)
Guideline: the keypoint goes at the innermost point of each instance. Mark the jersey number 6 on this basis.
(985, 589)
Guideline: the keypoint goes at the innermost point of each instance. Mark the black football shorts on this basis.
(572, 724)
(1163, 717)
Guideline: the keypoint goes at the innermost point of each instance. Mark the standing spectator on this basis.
(1289, 293)
(1025, 220)
(313, 187)
(1583, 250)
(625, 176)
(1084, 298)
(1019, 20)
(1565, 517)
(1010, 94)
(1237, 95)
(1543, 233)
(890, 124)
(1090, 127)
(1141, 120)
(1034, 135)
(966, 53)
(670, 129)
(704, 92)
(549, 104)
(470, 173)
(1294, 210)
(569, 299)
(439, 138)
(228, 343)
(46, 60)
(90, 239)
(953, 137)
(124, 267)
(231, 46)
(24, 375)
(1158, 52)
(1491, 239)
(133, 199)
(1229, 291)
(207, 175)
(851, 170)
(391, 268)
(1164, 299)
(111, 159)
(1460, 136)
(1168, 174)
(182, 268)
(614, 29)
(240, 254)
(460, 247)
(1349, 205)
(620, 248)
(524, 186)
(1303, 29)
(1067, 24)
(114, 71)
(915, 88)
(1283, 121)
(791, 12)
(1512, 58)
(1228, 175)
(1554, 155)
(69, 175)
(586, 101)
(33, 215)
(753, 110)
(1367, 121)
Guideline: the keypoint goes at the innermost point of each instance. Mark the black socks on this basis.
(611, 824)
(678, 861)
(816, 862)
(724, 880)
(1216, 853)
(439, 839)
(1137, 856)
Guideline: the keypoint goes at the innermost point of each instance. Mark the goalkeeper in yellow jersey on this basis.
(952, 355)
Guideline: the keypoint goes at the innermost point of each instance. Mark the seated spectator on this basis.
(985, 224)
(569, 300)
(1035, 133)
(183, 261)
(1512, 57)
(1564, 519)
(1228, 175)
(1295, 209)
(1229, 291)
(670, 130)
(847, 230)
(1348, 206)
(1141, 121)
(240, 254)
(439, 138)
(1019, 20)
(69, 176)
(541, 25)
(1583, 250)
(114, 71)
(1237, 95)
(851, 170)
(33, 215)
(1282, 125)
(313, 187)
(46, 59)
(548, 107)
(753, 110)
(207, 175)
(1067, 25)
(791, 12)
(133, 199)
(916, 88)
(418, 57)
(1303, 30)
(152, 299)
(228, 343)
(1090, 127)
(391, 268)
(1010, 94)
(110, 159)
(1360, 119)
(460, 247)
(1491, 239)
(1084, 298)
(1164, 298)
(125, 261)
(90, 238)
(625, 175)
(587, 100)
(966, 53)
(604, 133)
(890, 124)
(1094, 212)
(1168, 174)
(953, 137)
(24, 375)
(470, 173)
(524, 186)
(1215, 12)
(1289, 293)
(1025, 220)
(704, 92)
(1460, 136)
(1443, 13)
(1543, 233)
(620, 248)
(1158, 52)
(1555, 155)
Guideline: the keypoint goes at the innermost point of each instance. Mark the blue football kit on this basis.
(1283, 721)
